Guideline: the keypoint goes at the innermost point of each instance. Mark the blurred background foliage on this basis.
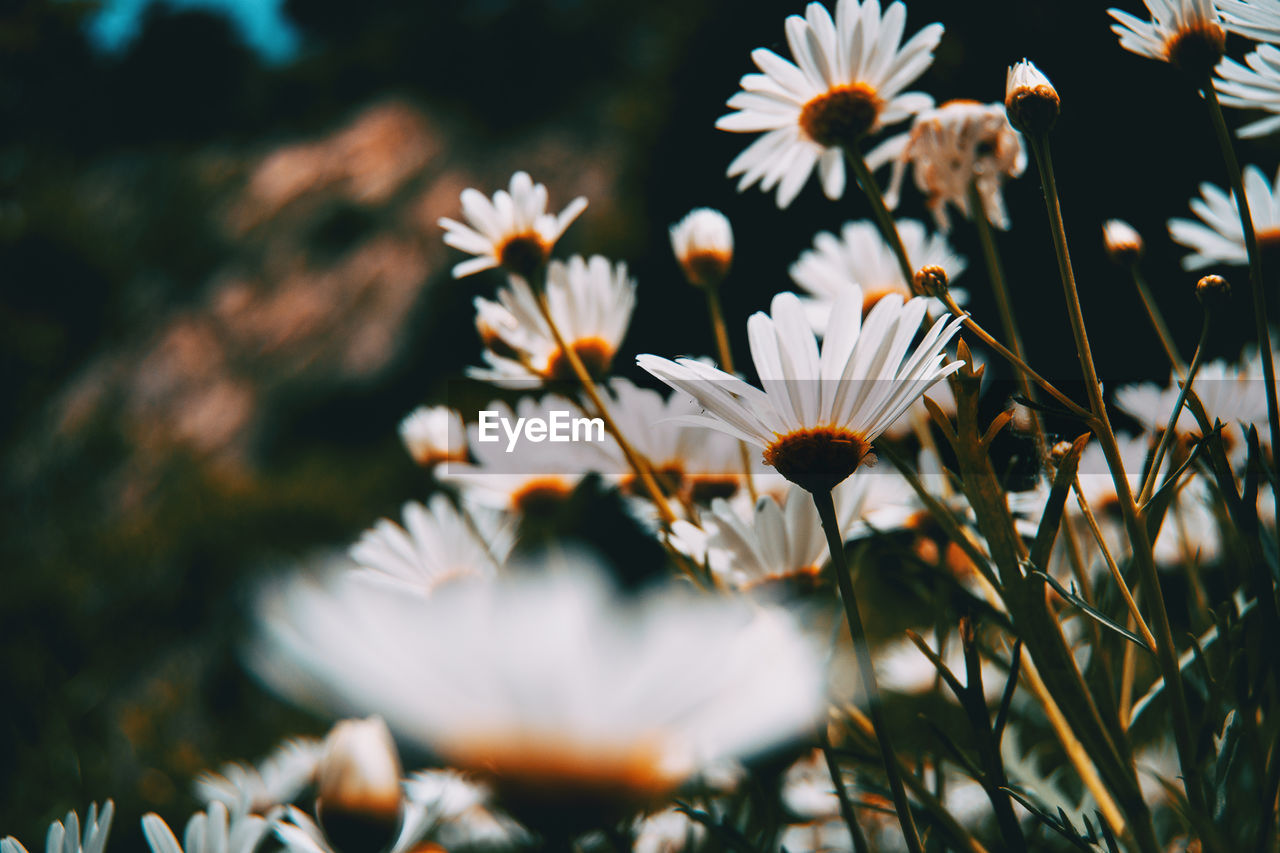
(222, 286)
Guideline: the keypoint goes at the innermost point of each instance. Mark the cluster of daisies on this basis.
(725, 706)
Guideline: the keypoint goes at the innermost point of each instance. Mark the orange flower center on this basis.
(842, 115)
(1196, 48)
(706, 267)
(540, 497)
(817, 458)
(596, 354)
(707, 487)
(523, 254)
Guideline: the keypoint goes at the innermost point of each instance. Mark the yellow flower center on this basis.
(841, 116)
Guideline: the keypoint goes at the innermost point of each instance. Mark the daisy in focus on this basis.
(1218, 237)
(1185, 33)
(513, 231)
(820, 409)
(952, 147)
(846, 82)
(577, 707)
(590, 301)
(861, 257)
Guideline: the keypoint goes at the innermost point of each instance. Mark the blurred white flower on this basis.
(214, 831)
(1255, 19)
(1252, 86)
(1185, 33)
(819, 410)
(1218, 237)
(703, 245)
(667, 831)
(951, 147)
(435, 545)
(860, 256)
(456, 812)
(846, 82)
(434, 434)
(278, 779)
(590, 301)
(549, 686)
(513, 230)
(1122, 241)
(64, 835)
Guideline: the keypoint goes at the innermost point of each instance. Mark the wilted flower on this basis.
(819, 410)
(703, 244)
(860, 256)
(1218, 237)
(1185, 33)
(955, 146)
(846, 82)
(433, 435)
(590, 301)
(577, 707)
(513, 231)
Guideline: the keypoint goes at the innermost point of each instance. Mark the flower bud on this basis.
(1124, 244)
(1030, 99)
(433, 435)
(1059, 451)
(358, 805)
(703, 243)
(1213, 291)
(931, 281)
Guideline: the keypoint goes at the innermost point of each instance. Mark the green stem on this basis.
(842, 795)
(1149, 484)
(862, 651)
(1255, 264)
(726, 363)
(884, 219)
(1142, 552)
(1158, 323)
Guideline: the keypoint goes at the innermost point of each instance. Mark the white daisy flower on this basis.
(846, 81)
(548, 686)
(860, 256)
(278, 779)
(457, 812)
(667, 831)
(358, 797)
(779, 540)
(590, 300)
(1185, 33)
(530, 477)
(698, 463)
(819, 410)
(955, 145)
(1255, 19)
(64, 835)
(214, 831)
(703, 245)
(435, 545)
(1252, 86)
(1218, 237)
(434, 434)
(300, 834)
(513, 231)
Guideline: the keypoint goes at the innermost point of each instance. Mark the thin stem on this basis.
(1141, 542)
(1157, 322)
(884, 219)
(1170, 430)
(1255, 263)
(726, 364)
(862, 651)
(589, 386)
(842, 794)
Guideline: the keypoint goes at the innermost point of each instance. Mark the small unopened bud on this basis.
(931, 281)
(1124, 244)
(1213, 291)
(703, 243)
(1024, 419)
(1030, 100)
(358, 802)
(433, 435)
(1059, 451)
